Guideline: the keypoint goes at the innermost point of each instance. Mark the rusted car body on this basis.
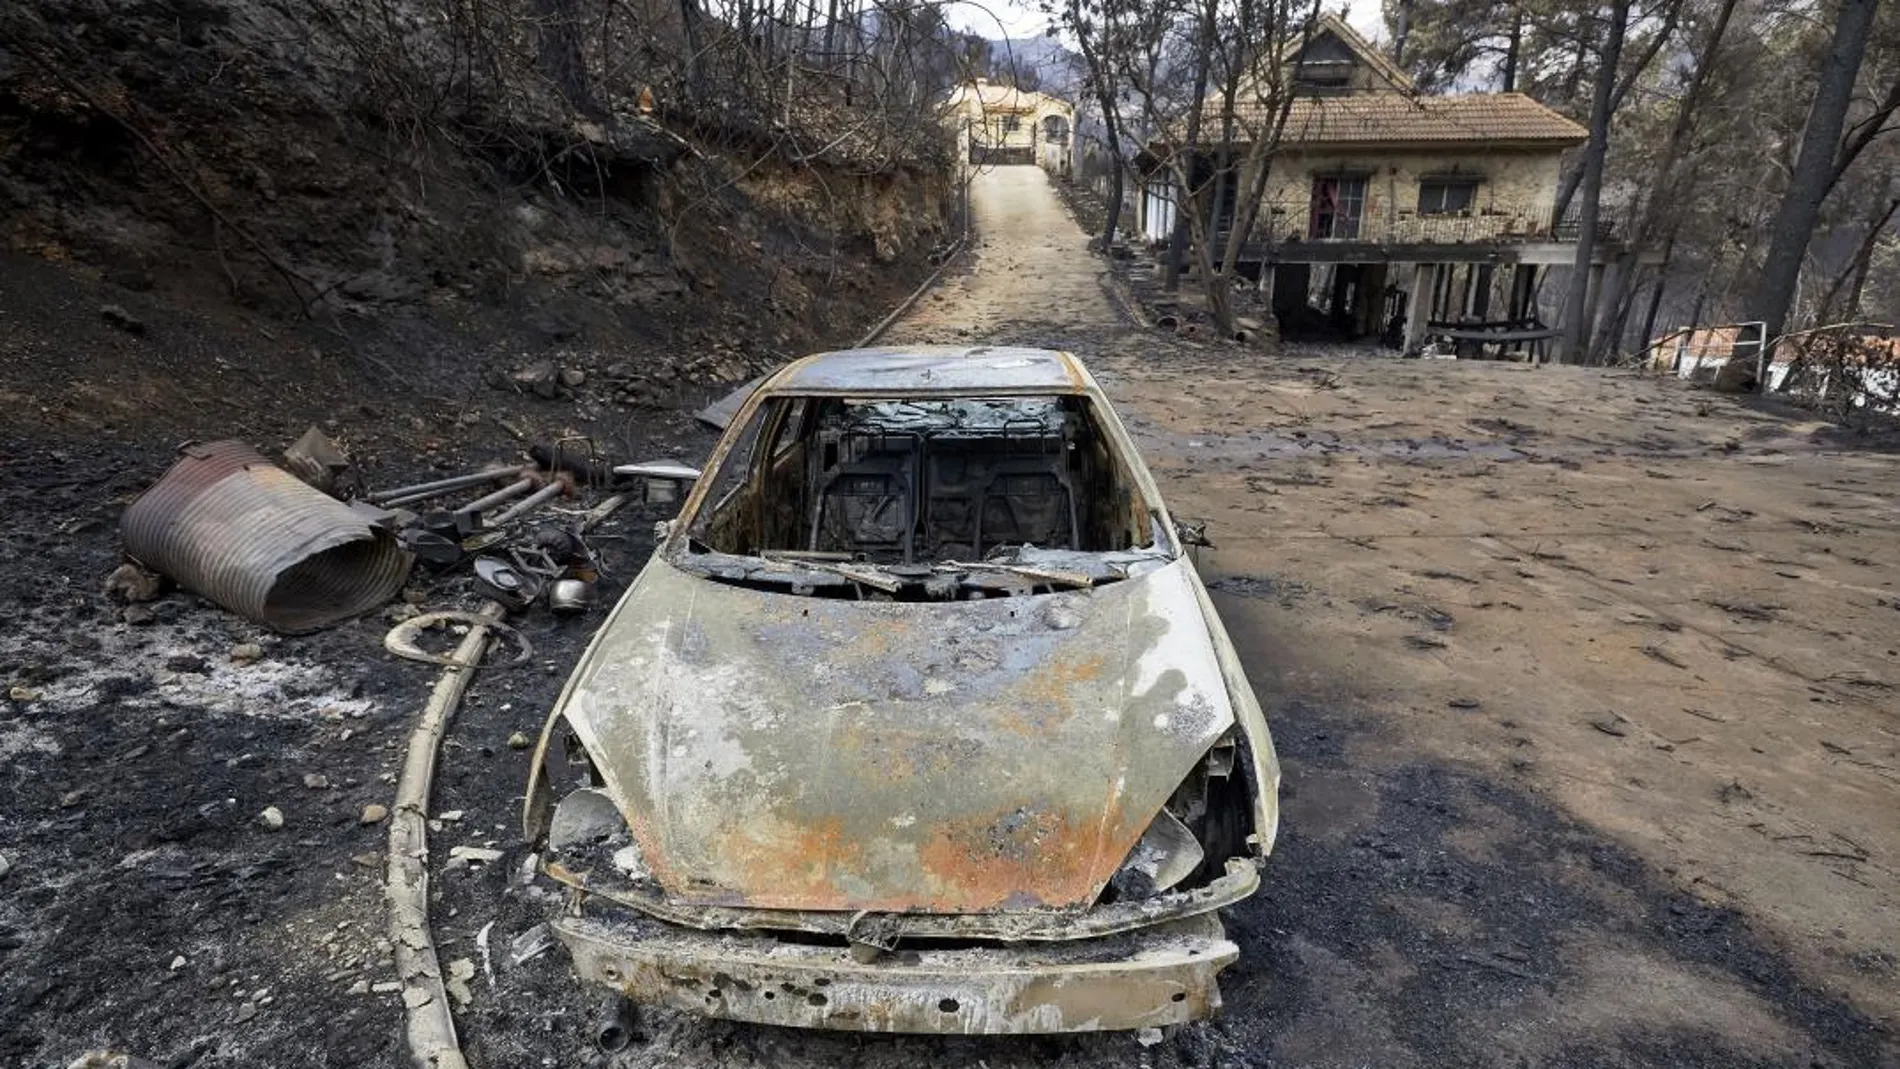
(918, 720)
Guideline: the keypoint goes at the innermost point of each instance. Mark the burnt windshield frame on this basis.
(742, 458)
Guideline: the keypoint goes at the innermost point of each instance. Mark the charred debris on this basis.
(306, 545)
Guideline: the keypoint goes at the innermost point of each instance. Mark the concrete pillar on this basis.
(1418, 307)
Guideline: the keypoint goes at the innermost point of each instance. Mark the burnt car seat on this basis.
(864, 506)
(1028, 500)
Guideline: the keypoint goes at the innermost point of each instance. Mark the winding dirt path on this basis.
(1028, 271)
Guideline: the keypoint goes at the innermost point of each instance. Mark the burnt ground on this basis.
(143, 907)
(1473, 615)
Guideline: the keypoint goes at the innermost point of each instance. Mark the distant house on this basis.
(1387, 208)
(1005, 125)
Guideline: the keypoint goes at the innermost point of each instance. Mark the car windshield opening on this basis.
(934, 498)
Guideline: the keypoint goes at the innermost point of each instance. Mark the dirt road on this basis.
(1028, 274)
(1584, 684)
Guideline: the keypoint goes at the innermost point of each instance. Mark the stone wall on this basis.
(1514, 196)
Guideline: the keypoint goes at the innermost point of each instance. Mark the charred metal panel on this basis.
(1160, 976)
(231, 526)
(1241, 879)
(777, 751)
(927, 368)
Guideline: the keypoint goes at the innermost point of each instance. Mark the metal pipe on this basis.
(403, 495)
(615, 1032)
(227, 524)
(547, 493)
(512, 490)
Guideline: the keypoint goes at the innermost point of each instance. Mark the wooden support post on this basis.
(1418, 308)
(1523, 284)
(1369, 301)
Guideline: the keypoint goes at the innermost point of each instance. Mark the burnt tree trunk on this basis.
(1578, 313)
(1774, 289)
(1516, 46)
(558, 52)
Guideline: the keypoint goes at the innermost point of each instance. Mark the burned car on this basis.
(918, 720)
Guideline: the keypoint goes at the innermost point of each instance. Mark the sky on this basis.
(1021, 18)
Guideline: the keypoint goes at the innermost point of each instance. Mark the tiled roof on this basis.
(1385, 118)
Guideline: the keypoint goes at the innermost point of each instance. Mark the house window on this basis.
(1447, 196)
(1322, 76)
(1339, 202)
(1012, 123)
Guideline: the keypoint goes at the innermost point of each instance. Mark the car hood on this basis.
(778, 751)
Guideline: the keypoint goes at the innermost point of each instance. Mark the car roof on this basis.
(926, 369)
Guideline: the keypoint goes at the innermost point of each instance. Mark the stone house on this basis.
(1005, 125)
(1388, 211)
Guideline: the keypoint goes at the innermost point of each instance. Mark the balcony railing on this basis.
(1380, 224)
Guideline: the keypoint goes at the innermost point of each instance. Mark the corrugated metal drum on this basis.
(228, 524)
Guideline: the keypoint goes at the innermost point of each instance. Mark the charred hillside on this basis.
(298, 203)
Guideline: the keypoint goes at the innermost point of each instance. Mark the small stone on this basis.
(449, 816)
(1148, 1037)
(361, 987)
(23, 694)
(462, 856)
(572, 377)
(138, 615)
(187, 663)
(129, 582)
(121, 318)
(246, 1012)
(1610, 725)
(5, 865)
(461, 971)
(1463, 703)
(72, 798)
(246, 652)
(386, 987)
(519, 741)
(316, 781)
(272, 818)
(178, 963)
(373, 814)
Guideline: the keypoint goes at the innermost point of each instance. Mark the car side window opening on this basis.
(905, 481)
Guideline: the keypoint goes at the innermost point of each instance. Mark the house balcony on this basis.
(1302, 231)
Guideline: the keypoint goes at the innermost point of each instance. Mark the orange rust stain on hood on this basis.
(1005, 859)
(803, 753)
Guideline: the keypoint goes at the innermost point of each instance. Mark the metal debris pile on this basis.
(300, 554)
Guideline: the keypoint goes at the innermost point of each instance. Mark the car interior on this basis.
(894, 482)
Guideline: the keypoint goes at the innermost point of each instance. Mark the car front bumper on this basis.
(1147, 978)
